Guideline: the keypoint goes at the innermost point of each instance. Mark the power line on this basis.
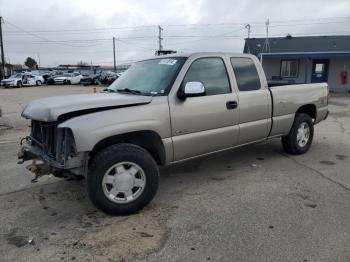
(40, 37)
(185, 25)
(138, 46)
(308, 24)
(175, 36)
(224, 35)
(313, 19)
(172, 37)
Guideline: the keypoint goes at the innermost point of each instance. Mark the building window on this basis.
(289, 68)
(319, 68)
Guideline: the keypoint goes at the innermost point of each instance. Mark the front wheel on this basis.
(300, 137)
(19, 84)
(122, 179)
(38, 83)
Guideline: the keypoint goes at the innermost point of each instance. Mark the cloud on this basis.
(222, 26)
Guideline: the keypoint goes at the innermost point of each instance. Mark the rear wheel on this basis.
(19, 84)
(38, 83)
(122, 179)
(300, 137)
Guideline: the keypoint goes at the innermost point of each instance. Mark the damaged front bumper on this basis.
(44, 164)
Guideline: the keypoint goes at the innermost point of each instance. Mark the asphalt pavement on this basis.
(249, 204)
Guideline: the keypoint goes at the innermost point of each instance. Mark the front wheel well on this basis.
(149, 140)
(309, 109)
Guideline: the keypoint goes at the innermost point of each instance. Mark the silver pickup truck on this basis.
(161, 111)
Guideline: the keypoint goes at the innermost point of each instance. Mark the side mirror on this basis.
(191, 89)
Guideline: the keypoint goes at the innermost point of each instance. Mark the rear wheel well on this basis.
(309, 109)
(149, 140)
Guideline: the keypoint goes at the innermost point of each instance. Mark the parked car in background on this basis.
(111, 78)
(92, 79)
(68, 79)
(107, 77)
(22, 79)
(163, 111)
(50, 76)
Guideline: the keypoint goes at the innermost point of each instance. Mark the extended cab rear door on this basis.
(205, 123)
(254, 99)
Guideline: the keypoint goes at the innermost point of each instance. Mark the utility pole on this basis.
(160, 38)
(247, 26)
(38, 59)
(266, 43)
(2, 70)
(115, 66)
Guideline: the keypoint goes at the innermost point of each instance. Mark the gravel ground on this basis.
(250, 204)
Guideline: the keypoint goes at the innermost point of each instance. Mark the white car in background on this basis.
(68, 79)
(22, 79)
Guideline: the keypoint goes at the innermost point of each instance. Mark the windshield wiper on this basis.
(129, 91)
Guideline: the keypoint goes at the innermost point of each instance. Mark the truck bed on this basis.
(287, 99)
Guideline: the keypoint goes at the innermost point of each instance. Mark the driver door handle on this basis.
(231, 104)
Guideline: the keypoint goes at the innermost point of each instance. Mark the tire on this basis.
(298, 142)
(38, 83)
(112, 159)
(68, 82)
(19, 84)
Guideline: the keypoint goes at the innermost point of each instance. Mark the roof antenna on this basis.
(247, 26)
(266, 45)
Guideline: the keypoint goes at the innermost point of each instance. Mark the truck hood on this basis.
(60, 108)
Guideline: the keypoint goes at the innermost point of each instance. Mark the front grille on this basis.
(44, 135)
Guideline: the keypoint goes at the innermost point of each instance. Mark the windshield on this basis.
(149, 77)
(67, 75)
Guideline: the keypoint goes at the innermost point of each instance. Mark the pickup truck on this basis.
(162, 111)
(22, 79)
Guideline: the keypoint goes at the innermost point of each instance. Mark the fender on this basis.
(89, 129)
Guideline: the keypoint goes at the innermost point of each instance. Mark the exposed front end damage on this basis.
(51, 145)
(52, 151)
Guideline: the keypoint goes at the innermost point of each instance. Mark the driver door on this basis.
(31, 80)
(25, 80)
(205, 123)
(75, 78)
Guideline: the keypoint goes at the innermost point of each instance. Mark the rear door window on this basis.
(246, 74)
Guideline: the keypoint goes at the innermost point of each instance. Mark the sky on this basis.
(66, 32)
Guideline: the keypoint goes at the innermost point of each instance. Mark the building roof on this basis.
(292, 44)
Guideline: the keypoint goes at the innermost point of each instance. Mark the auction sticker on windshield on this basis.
(168, 61)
